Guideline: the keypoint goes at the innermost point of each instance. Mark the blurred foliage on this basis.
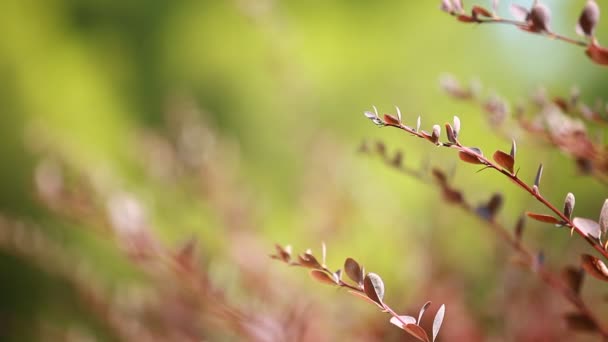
(283, 85)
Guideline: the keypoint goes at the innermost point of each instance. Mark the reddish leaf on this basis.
(468, 158)
(374, 287)
(504, 160)
(353, 270)
(283, 254)
(308, 260)
(417, 332)
(597, 53)
(467, 19)
(391, 120)
(450, 132)
(595, 267)
(580, 322)
(480, 11)
(322, 277)
(543, 218)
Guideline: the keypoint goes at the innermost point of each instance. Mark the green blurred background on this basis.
(285, 84)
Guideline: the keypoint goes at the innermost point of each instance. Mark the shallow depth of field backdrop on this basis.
(277, 91)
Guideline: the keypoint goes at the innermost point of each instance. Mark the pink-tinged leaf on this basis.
(504, 160)
(456, 126)
(597, 53)
(603, 221)
(569, 205)
(588, 19)
(353, 271)
(519, 12)
(399, 321)
(422, 310)
(540, 18)
(374, 287)
(438, 321)
(587, 226)
(573, 276)
(543, 218)
(480, 11)
(579, 322)
(435, 134)
(391, 120)
(366, 298)
(417, 332)
(468, 158)
(322, 277)
(446, 6)
(457, 5)
(595, 267)
(450, 133)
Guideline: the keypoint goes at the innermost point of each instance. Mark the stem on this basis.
(523, 25)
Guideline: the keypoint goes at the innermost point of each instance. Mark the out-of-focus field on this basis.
(238, 123)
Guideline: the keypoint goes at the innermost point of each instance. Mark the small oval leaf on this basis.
(353, 270)
(417, 332)
(587, 226)
(398, 321)
(468, 158)
(374, 287)
(322, 277)
(504, 160)
(543, 218)
(595, 267)
(597, 53)
(391, 120)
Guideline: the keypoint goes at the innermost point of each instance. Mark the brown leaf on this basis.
(543, 218)
(595, 267)
(308, 260)
(417, 332)
(450, 132)
(480, 11)
(467, 19)
(573, 277)
(283, 254)
(505, 160)
(597, 53)
(579, 322)
(539, 18)
(374, 287)
(322, 277)
(468, 158)
(353, 270)
(391, 120)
